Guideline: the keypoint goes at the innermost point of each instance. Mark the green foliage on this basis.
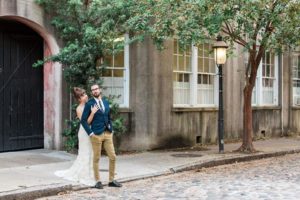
(70, 134)
(118, 123)
(88, 29)
(246, 22)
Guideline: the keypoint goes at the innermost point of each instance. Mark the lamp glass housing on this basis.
(220, 55)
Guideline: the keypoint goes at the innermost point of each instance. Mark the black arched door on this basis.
(21, 88)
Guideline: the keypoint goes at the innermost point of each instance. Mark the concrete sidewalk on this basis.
(30, 174)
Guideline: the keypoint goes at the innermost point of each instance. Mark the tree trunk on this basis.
(254, 60)
(247, 145)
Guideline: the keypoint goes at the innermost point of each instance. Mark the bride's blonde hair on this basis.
(78, 92)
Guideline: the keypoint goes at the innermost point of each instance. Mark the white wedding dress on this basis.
(81, 170)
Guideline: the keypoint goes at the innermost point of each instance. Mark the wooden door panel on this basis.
(21, 96)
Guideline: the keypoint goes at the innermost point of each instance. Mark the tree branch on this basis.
(233, 36)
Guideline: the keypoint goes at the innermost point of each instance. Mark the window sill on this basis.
(193, 109)
(266, 108)
(294, 107)
(125, 110)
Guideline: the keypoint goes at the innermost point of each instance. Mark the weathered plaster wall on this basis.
(155, 123)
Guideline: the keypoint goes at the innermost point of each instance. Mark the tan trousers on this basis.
(107, 140)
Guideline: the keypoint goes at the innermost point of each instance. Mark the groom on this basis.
(100, 132)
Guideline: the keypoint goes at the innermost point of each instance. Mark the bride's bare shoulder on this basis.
(78, 107)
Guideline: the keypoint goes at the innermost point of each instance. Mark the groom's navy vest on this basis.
(101, 120)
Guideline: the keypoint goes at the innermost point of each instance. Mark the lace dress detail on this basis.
(81, 170)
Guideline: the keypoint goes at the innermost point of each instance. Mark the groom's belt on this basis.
(97, 133)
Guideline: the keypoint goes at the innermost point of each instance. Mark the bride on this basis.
(82, 169)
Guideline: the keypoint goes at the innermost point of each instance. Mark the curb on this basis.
(34, 193)
(39, 193)
(218, 162)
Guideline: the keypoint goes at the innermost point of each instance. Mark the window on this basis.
(181, 74)
(265, 92)
(206, 75)
(194, 71)
(296, 78)
(268, 78)
(116, 76)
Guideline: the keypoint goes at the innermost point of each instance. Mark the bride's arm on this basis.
(93, 111)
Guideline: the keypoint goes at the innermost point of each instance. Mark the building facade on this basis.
(169, 98)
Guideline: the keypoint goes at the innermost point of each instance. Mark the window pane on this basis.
(268, 72)
(205, 89)
(175, 47)
(272, 57)
(186, 77)
(181, 88)
(181, 63)
(180, 77)
(200, 50)
(296, 79)
(212, 66)
(114, 79)
(118, 73)
(272, 71)
(188, 63)
(200, 64)
(206, 50)
(264, 70)
(114, 87)
(205, 79)
(175, 76)
(212, 79)
(107, 73)
(199, 79)
(206, 65)
(175, 62)
(268, 58)
(188, 50)
(108, 60)
(119, 60)
(180, 50)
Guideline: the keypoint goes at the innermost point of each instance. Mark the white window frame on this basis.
(259, 85)
(126, 70)
(216, 83)
(296, 97)
(193, 103)
(182, 72)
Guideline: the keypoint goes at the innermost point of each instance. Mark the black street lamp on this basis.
(220, 48)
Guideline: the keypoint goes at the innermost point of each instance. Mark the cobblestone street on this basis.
(273, 178)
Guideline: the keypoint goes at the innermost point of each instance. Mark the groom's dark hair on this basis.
(95, 84)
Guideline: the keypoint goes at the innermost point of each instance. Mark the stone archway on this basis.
(18, 10)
